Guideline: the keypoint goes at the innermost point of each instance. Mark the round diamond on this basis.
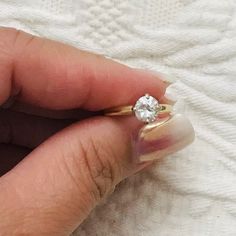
(146, 109)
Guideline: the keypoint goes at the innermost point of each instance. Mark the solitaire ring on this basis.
(146, 109)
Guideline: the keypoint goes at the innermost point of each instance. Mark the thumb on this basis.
(53, 190)
(63, 179)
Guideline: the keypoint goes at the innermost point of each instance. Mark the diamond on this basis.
(146, 109)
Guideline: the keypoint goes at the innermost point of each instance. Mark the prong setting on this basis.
(146, 109)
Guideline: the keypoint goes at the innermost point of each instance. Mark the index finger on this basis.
(57, 76)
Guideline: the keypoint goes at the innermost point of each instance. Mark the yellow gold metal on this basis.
(119, 111)
(128, 110)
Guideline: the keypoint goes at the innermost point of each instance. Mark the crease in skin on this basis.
(163, 137)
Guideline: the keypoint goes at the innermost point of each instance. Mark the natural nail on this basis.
(164, 137)
(170, 96)
(167, 78)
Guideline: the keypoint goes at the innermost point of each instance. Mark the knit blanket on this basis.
(192, 192)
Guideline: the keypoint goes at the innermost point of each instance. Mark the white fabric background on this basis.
(192, 192)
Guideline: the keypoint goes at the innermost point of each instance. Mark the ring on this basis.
(146, 109)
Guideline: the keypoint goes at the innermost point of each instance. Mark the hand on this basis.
(68, 167)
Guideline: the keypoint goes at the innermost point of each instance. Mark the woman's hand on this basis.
(67, 171)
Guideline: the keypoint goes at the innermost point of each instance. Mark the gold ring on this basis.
(146, 109)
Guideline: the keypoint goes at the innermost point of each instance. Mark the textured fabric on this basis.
(192, 192)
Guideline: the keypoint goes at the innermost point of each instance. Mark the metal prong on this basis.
(148, 121)
(147, 95)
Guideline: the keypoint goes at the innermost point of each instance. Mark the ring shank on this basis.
(128, 110)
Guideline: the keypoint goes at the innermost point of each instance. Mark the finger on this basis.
(11, 155)
(25, 125)
(53, 75)
(27, 130)
(62, 180)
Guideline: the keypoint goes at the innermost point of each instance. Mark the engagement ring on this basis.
(146, 109)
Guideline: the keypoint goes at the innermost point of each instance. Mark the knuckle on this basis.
(7, 39)
(91, 167)
(102, 172)
(13, 42)
(22, 41)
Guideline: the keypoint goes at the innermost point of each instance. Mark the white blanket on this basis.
(192, 192)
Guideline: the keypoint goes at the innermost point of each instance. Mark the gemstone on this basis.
(146, 109)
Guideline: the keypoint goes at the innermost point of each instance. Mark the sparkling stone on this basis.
(147, 108)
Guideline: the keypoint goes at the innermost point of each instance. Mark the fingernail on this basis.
(179, 106)
(170, 96)
(167, 78)
(159, 139)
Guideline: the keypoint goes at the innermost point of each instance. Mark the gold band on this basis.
(128, 110)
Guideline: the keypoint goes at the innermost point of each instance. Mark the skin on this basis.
(71, 156)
